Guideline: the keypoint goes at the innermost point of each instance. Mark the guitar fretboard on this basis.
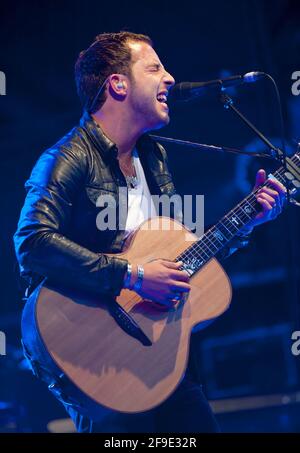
(220, 235)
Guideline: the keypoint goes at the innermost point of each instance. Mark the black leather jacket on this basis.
(57, 235)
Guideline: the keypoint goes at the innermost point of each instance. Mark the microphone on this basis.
(186, 91)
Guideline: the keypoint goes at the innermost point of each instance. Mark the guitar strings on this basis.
(225, 222)
(249, 200)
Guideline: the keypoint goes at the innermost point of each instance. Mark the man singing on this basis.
(123, 87)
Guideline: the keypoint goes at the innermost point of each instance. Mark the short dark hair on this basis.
(108, 54)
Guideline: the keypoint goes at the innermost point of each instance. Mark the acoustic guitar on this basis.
(130, 354)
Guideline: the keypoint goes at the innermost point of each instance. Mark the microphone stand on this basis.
(204, 147)
(275, 152)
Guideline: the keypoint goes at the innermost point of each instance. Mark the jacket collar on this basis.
(107, 148)
(149, 151)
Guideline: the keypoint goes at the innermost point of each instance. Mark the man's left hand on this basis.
(271, 200)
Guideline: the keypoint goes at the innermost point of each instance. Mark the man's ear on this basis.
(118, 84)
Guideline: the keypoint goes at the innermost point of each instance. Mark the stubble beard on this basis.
(147, 110)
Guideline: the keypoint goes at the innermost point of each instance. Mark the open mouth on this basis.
(162, 99)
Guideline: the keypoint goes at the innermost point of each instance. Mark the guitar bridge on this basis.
(127, 323)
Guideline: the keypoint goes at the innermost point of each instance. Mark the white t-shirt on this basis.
(140, 203)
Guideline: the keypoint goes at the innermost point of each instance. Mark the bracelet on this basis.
(128, 276)
(140, 275)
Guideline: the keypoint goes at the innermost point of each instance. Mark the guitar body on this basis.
(108, 365)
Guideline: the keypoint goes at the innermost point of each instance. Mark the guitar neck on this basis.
(220, 235)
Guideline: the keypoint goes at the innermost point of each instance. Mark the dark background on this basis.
(247, 351)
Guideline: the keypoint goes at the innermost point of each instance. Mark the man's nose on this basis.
(169, 79)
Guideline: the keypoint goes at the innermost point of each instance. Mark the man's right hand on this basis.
(163, 282)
